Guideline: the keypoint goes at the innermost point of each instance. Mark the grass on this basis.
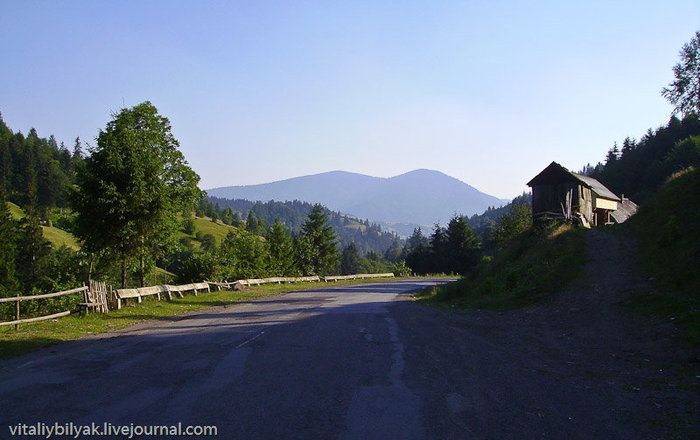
(59, 237)
(15, 211)
(530, 269)
(219, 230)
(668, 228)
(33, 336)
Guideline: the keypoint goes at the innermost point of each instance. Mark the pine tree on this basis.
(32, 250)
(684, 91)
(463, 246)
(8, 239)
(350, 260)
(321, 250)
(281, 250)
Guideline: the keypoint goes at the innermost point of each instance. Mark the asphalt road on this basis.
(318, 364)
(346, 362)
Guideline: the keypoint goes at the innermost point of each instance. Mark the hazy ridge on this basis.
(419, 197)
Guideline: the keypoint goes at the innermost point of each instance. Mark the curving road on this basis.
(347, 362)
(325, 363)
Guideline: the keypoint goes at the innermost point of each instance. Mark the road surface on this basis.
(345, 362)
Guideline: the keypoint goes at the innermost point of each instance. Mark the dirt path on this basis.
(588, 335)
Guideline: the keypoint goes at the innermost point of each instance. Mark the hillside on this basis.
(57, 237)
(668, 229)
(368, 237)
(421, 196)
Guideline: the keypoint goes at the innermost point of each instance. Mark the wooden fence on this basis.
(18, 299)
(357, 276)
(139, 293)
(97, 297)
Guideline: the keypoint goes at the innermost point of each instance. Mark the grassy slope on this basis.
(534, 266)
(668, 228)
(57, 237)
(204, 225)
(219, 230)
(15, 211)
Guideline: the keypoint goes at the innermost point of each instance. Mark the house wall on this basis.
(550, 198)
(601, 203)
(585, 202)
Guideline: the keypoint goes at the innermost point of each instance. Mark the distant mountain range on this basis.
(421, 197)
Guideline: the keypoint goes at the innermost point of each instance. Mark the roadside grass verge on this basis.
(527, 271)
(668, 228)
(33, 336)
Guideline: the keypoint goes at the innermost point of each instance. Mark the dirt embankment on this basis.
(590, 332)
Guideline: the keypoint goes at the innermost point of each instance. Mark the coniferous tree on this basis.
(320, 243)
(8, 245)
(463, 246)
(281, 250)
(439, 249)
(32, 250)
(350, 260)
(78, 150)
(684, 91)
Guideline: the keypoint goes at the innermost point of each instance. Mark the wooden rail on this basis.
(139, 293)
(18, 299)
(357, 276)
(95, 295)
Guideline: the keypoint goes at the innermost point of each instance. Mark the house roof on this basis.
(596, 187)
(625, 210)
(556, 173)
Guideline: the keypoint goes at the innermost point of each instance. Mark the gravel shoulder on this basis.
(581, 366)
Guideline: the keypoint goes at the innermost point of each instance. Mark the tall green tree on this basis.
(281, 250)
(684, 91)
(254, 225)
(319, 248)
(350, 260)
(8, 247)
(32, 251)
(243, 255)
(439, 250)
(132, 186)
(510, 225)
(463, 246)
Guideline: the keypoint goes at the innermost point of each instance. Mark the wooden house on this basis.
(559, 193)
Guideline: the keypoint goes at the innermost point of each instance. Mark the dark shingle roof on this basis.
(596, 187)
(555, 173)
(625, 210)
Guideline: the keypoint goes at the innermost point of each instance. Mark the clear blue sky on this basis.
(489, 92)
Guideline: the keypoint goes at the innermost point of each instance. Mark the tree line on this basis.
(129, 201)
(367, 236)
(638, 168)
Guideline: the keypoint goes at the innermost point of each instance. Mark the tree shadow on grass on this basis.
(12, 348)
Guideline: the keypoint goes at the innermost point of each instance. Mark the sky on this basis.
(489, 92)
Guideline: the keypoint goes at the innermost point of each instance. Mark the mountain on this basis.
(422, 197)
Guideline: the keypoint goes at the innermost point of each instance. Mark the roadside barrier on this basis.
(97, 298)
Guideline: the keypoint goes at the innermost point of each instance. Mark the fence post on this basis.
(17, 314)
